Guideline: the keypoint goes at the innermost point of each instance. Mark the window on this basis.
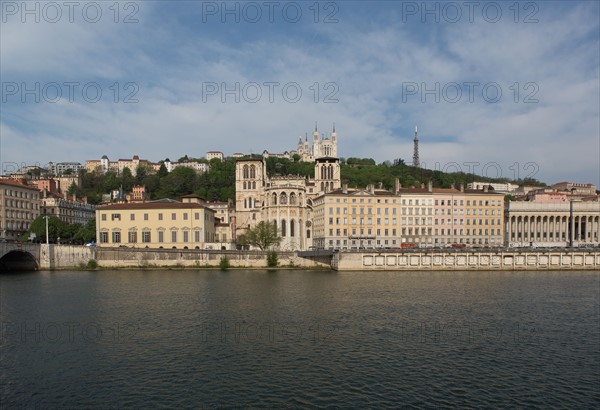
(132, 238)
(173, 216)
(116, 237)
(103, 216)
(146, 238)
(104, 236)
(160, 217)
(186, 236)
(132, 217)
(185, 216)
(116, 217)
(145, 217)
(196, 236)
(197, 215)
(161, 236)
(173, 236)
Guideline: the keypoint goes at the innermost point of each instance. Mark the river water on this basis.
(187, 338)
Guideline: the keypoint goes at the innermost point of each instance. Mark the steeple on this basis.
(416, 162)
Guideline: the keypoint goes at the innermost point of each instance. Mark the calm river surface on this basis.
(186, 338)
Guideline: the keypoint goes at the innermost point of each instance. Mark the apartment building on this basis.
(423, 217)
(19, 206)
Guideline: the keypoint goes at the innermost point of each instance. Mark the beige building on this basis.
(214, 154)
(68, 210)
(412, 217)
(225, 224)
(157, 224)
(19, 206)
(104, 164)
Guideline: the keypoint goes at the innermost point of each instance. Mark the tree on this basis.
(55, 228)
(87, 232)
(127, 179)
(73, 189)
(140, 173)
(263, 236)
(162, 171)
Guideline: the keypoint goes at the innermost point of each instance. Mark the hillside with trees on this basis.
(218, 184)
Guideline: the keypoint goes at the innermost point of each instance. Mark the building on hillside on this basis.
(69, 210)
(64, 182)
(19, 206)
(502, 187)
(215, 154)
(48, 185)
(199, 167)
(32, 171)
(104, 165)
(60, 168)
(586, 189)
(420, 217)
(156, 224)
(138, 194)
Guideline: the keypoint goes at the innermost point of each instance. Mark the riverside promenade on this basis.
(56, 257)
(469, 259)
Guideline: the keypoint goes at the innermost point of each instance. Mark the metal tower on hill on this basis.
(416, 162)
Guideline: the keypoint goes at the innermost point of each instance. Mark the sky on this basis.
(501, 89)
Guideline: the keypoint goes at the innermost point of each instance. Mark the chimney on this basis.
(430, 186)
(452, 186)
(344, 188)
(462, 187)
(422, 185)
(397, 185)
(371, 189)
(485, 188)
(379, 185)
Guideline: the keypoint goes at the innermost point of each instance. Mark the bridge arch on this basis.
(18, 260)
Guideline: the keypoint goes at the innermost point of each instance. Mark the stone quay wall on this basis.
(190, 258)
(468, 260)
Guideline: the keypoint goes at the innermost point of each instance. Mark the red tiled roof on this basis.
(153, 205)
(16, 184)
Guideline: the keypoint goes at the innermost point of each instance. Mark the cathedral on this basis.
(286, 200)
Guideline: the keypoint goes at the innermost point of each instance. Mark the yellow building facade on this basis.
(158, 224)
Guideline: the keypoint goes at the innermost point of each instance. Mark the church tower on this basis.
(327, 174)
(316, 143)
(333, 142)
(416, 162)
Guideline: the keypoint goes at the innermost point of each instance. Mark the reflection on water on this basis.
(300, 338)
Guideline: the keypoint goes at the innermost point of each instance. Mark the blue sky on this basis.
(499, 87)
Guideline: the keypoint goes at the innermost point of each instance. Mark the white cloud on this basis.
(369, 62)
